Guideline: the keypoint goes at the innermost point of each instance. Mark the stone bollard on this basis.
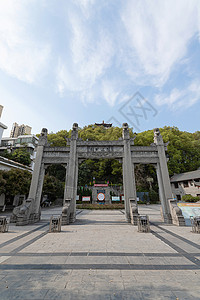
(4, 224)
(195, 221)
(143, 224)
(55, 224)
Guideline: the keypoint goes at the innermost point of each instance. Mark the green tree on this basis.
(6, 154)
(87, 170)
(2, 183)
(57, 171)
(53, 187)
(16, 182)
(183, 148)
(58, 139)
(22, 156)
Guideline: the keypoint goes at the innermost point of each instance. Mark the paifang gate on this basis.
(78, 150)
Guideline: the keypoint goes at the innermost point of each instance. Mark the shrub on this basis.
(141, 202)
(100, 206)
(190, 198)
(154, 198)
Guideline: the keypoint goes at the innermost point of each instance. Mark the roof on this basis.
(104, 124)
(28, 136)
(185, 176)
(8, 138)
(3, 126)
(13, 164)
(20, 136)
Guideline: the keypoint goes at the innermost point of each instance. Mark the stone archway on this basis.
(77, 150)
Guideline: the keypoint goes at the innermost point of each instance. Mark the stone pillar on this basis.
(107, 195)
(38, 174)
(128, 171)
(39, 190)
(72, 216)
(134, 184)
(94, 195)
(162, 195)
(65, 189)
(165, 191)
(72, 174)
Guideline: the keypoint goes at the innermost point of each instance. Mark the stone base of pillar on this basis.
(128, 218)
(133, 211)
(135, 219)
(167, 218)
(65, 220)
(24, 215)
(181, 221)
(72, 217)
(33, 218)
(66, 212)
(176, 213)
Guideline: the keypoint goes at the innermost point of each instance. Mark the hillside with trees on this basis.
(183, 151)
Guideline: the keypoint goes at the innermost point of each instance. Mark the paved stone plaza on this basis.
(100, 257)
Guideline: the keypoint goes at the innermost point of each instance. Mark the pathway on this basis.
(100, 257)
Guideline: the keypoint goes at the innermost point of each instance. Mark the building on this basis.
(28, 141)
(106, 125)
(18, 130)
(186, 184)
(7, 164)
(1, 109)
(2, 126)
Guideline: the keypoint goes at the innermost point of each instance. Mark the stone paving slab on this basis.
(100, 257)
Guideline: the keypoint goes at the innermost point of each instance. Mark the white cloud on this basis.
(90, 58)
(110, 92)
(149, 41)
(20, 55)
(158, 34)
(86, 6)
(104, 47)
(180, 99)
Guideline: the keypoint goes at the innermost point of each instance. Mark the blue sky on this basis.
(86, 61)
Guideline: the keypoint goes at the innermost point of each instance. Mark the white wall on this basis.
(4, 167)
(1, 133)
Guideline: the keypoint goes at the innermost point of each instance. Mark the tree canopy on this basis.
(20, 155)
(15, 182)
(183, 148)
